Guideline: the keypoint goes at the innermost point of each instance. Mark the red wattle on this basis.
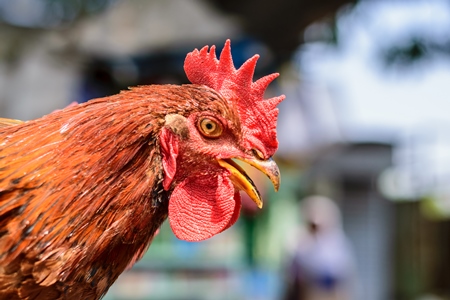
(237, 210)
(201, 207)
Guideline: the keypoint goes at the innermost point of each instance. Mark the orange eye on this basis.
(210, 127)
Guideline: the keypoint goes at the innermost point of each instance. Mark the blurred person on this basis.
(322, 264)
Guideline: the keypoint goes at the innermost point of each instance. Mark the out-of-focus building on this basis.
(349, 173)
(43, 71)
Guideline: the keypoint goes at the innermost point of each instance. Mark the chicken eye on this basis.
(210, 128)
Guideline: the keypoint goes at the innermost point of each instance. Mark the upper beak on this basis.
(243, 182)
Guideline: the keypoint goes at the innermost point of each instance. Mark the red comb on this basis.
(258, 115)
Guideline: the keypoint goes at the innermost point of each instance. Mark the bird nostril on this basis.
(258, 154)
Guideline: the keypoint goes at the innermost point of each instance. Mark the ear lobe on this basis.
(169, 151)
(201, 207)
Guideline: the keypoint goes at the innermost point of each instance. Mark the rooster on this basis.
(84, 189)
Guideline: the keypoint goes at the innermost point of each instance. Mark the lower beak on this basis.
(243, 182)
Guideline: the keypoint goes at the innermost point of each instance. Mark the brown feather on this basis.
(9, 122)
(81, 191)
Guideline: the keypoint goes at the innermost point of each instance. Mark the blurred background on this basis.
(366, 123)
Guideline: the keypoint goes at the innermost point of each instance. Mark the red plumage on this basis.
(84, 189)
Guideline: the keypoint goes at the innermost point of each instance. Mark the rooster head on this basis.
(199, 148)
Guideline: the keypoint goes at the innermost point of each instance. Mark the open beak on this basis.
(243, 182)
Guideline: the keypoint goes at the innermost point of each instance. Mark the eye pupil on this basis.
(209, 126)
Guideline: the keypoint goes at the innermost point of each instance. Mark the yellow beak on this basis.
(243, 182)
